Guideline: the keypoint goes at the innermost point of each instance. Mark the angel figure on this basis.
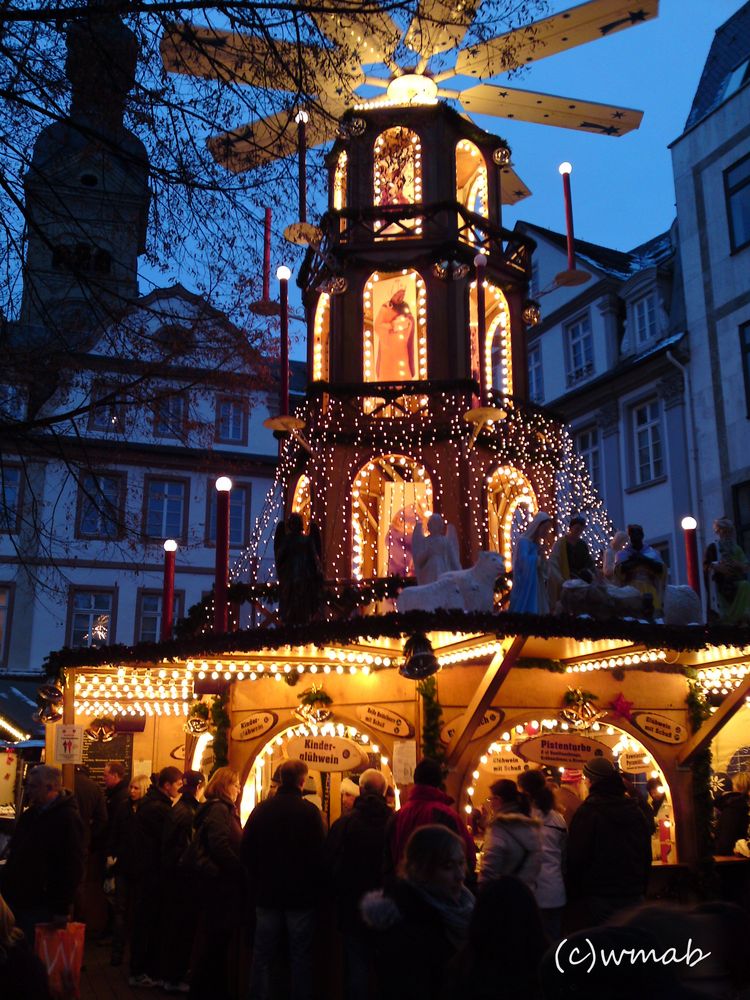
(299, 568)
(394, 332)
(435, 553)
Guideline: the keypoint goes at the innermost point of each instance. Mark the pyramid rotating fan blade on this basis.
(368, 36)
(438, 25)
(512, 188)
(239, 58)
(269, 138)
(558, 33)
(547, 109)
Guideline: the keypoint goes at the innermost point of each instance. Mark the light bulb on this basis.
(170, 545)
(565, 168)
(223, 484)
(283, 273)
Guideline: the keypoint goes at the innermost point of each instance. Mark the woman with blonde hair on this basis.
(734, 815)
(22, 974)
(217, 838)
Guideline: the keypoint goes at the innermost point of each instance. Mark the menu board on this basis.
(97, 755)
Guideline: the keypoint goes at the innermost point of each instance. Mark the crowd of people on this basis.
(423, 908)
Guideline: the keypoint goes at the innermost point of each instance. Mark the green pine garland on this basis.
(221, 722)
(432, 715)
(706, 874)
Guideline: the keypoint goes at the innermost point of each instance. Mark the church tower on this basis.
(87, 194)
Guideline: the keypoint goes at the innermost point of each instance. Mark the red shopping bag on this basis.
(61, 950)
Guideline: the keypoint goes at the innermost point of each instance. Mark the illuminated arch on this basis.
(511, 503)
(471, 183)
(397, 178)
(302, 500)
(496, 759)
(497, 364)
(388, 494)
(257, 780)
(321, 331)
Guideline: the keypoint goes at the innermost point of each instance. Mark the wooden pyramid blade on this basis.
(267, 139)
(438, 25)
(548, 109)
(512, 188)
(558, 33)
(241, 58)
(369, 36)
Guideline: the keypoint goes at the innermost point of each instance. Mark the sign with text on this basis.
(68, 744)
(561, 750)
(635, 763)
(326, 753)
(254, 724)
(384, 720)
(506, 763)
(404, 761)
(96, 755)
(660, 728)
(489, 721)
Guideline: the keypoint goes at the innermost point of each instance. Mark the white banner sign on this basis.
(660, 728)
(404, 761)
(254, 724)
(635, 763)
(561, 750)
(326, 753)
(489, 721)
(384, 720)
(68, 744)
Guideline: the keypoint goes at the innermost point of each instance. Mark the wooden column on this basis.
(69, 718)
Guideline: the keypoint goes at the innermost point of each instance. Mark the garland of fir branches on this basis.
(220, 722)
(706, 876)
(432, 715)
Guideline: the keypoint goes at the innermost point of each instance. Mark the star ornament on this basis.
(621, 707)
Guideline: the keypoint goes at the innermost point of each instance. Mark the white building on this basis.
(117, 412)
(711, 164)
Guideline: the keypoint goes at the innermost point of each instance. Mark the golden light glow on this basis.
(497, 367)
(321, 331)
(397, 179)
(412, 88)
(508, 492)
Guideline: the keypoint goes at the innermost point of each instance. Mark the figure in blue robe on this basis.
(529, 592)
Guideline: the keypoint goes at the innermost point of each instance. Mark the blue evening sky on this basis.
(622, 188)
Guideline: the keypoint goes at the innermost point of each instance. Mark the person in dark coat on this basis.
(116, 793)
(220, 884)
(150, 819)
(609, 847)
(732, 823)
(92, 806)
(22, 975)
(124, 866)
(45, 854)
(420, 921)
(354, 850)
(282, 850)
(426, 803)
(180, 910)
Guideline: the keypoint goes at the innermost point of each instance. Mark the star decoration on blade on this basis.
(326, 73)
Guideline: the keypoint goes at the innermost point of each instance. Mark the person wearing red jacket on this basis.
(426, 803)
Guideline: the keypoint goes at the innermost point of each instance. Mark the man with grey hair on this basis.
(354, 849)
(45, 855)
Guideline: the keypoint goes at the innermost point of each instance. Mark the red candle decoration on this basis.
(221, 581)
(565, 170)
(689, 526)
(284, 274)
(167, 592)
(267, 257)
(302, 119)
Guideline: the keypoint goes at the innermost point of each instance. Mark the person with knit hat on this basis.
(349, 794)
(609, 847)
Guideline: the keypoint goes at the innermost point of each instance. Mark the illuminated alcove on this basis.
(397, 179)
(511, 504)
(497, 364)
(389, 494)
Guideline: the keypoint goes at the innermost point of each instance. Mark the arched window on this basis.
(511, 503)
(302, 500)
(389, 494)
(471, 185)
(497, 364)
(339, 185)
(321, 332)
(395, 331)
(397, 179)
